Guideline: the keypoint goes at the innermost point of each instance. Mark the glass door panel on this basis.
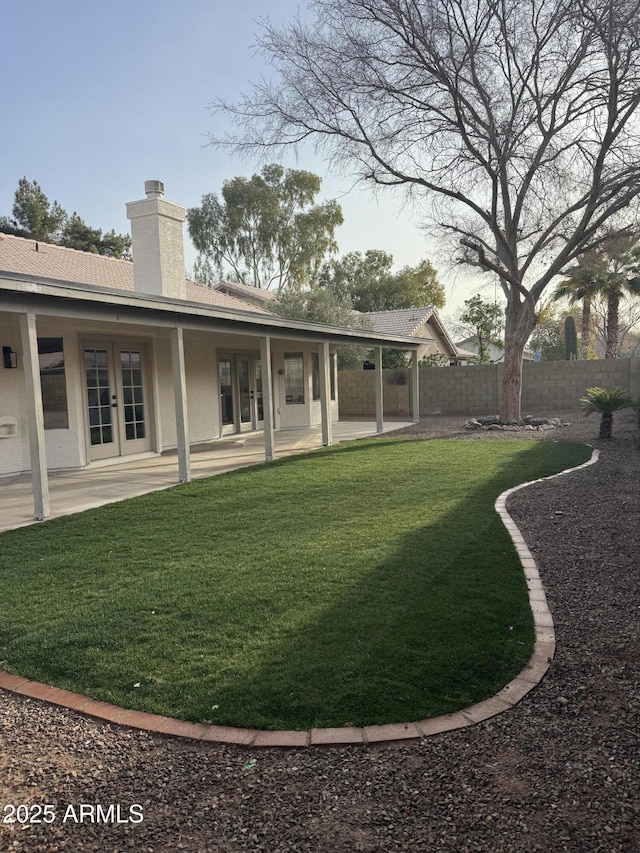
(245, 394)
(101, 404)
(259, 408)
(241, 401)
(226, 394)
(116, 400)
(133, 408)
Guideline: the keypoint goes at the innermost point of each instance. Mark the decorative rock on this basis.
(472, 424)
(495, 427)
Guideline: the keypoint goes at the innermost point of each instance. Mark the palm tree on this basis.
(583, 283)
(606, 403)
(612, 271)
(622, 279)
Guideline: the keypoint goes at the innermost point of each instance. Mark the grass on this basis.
(366, 583)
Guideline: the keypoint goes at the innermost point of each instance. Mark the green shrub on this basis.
(606, 403)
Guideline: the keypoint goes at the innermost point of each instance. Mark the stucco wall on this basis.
(305, 414)
(474, 390)
(64, 446)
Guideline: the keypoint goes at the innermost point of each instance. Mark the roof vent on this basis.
(154, 189)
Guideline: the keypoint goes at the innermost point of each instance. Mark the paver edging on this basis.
(506, 698)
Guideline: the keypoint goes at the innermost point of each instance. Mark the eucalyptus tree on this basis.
(266, 229)
(513, 122)
(369, 283)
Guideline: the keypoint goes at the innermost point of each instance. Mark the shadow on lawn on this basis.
(401, 641)
(405, 642)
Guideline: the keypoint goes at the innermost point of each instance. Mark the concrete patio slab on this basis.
(96, 485)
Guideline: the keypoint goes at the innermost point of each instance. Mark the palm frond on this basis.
(604, 401)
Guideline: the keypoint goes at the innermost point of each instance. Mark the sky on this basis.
(100, 97)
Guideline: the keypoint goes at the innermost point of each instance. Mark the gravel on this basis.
(559, 772)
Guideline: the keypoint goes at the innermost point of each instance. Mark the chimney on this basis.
(158, 248)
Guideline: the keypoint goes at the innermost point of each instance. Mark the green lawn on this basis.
(366, 583)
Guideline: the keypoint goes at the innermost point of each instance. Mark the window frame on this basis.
(294, 377)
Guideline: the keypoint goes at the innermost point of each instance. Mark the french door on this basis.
(241, 405)
(116, 400)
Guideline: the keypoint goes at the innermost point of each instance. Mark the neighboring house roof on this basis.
(408, 321)
(47, 261)
(466, 353)
(496, 351)
(403, 321)
(245, 292)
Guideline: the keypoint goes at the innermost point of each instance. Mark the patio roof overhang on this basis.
(61, 298)
(30, 298)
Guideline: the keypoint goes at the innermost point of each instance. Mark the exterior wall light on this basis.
(9, 357)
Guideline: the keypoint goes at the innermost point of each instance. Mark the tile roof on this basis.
(403, 321)
(241, 290)
(47, 261)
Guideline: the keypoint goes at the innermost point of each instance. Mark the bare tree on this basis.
(516, 120)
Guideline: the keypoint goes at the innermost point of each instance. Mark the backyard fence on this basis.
(475, 389)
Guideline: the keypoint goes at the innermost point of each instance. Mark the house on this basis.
(246, 293)
(417, 323)
(496, 352)
(108, 360)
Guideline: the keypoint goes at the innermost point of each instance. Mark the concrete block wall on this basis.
(475, 390)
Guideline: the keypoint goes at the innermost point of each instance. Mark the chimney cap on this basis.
(154, 189)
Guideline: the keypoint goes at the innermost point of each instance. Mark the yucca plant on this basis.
(606, 403)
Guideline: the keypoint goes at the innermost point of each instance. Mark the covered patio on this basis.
(75, 491)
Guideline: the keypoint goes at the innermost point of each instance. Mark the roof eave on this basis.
(27, 285)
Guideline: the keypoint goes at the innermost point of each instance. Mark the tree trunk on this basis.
(586, 328)
(606, 425)
(520, 321)
(613, 305)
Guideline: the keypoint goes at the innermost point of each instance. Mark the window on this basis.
(53, 382)
(315, 375)
(293, 377)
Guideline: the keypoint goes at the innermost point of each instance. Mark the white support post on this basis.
(379, 391)
(180, 397)
(325, 394)
(415, 387)
(35, 416)
(267, 398)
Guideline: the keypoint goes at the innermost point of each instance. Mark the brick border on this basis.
(508, 697)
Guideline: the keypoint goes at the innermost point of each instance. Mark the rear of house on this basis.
(107, 359)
